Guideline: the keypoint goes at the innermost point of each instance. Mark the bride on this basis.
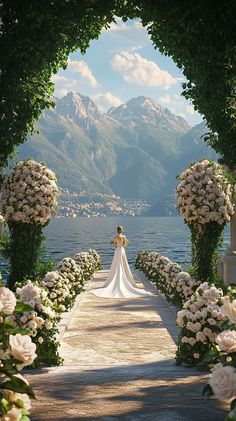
(120, 282)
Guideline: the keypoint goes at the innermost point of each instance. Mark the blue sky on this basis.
(123, 64)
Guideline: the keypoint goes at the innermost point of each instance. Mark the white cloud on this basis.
(64, 85)
(190, 109)
(106, 100)
(133, 33)
(165, 99)
(58, 79)
(81, 67)
(137, 69)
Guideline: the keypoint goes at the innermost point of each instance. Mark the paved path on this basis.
(119, 365)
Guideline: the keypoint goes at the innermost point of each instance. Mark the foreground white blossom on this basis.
(223, 382)
(227, 341)
(229, 309)
(14, 414)
(22, 348)
(7, 301)
(22, 399)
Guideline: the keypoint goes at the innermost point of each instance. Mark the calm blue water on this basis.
(167, 235)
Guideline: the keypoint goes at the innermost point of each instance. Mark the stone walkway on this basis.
(119, 365)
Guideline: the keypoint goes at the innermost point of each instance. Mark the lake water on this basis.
(168, 235)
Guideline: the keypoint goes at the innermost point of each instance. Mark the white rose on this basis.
(21, 399)
(227, 341)
(14, 414)
(229, 309)
(7, 301)
(22, 348)
(223, 382)
(32, 325)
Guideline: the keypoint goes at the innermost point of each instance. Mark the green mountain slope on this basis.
(134, 151)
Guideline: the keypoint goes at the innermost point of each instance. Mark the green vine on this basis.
(23, 251)
(206, 242)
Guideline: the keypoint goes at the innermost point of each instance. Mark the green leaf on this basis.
(231, 416)
(22, 308)
(207, 391)
(20, 330)
(18, 385)
(2, 410)
(233, 404)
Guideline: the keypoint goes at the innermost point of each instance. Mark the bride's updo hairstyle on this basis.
(119, 229)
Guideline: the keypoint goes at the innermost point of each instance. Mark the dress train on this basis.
(120, 282)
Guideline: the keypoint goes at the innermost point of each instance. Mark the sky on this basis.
(123, 64)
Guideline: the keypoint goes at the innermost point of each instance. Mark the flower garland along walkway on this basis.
(119, 364)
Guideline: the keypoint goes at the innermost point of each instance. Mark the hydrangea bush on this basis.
(167, 276)
(16, 352)
(204, 199)
(29, 198)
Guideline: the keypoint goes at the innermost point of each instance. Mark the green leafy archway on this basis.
(36, 37)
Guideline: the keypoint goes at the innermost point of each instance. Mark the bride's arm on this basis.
(125, 241)
(114, 242)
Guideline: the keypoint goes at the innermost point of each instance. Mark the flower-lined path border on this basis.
(119, 362)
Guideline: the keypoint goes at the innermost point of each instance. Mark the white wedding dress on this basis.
(120, 282)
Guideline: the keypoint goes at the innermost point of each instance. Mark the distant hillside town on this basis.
(72, 204)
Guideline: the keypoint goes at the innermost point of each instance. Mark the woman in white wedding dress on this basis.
(120, 282)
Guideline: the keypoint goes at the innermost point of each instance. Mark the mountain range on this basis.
(134, 150)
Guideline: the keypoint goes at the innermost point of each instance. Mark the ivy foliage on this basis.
(205, 251)
(23, 250)
(200, 36)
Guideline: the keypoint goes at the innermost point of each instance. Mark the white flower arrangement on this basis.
(68, 280)
(205, 194)
(58, 290)
(72, 274)
(42, 316)
(178, 286)
(88, 261)
(200, 321)
(29, 193)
